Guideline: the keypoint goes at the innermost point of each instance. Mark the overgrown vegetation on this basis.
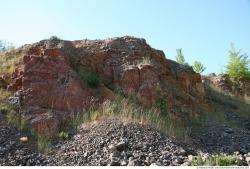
(225, 103)
(126, 110)
(9, 61)
(215, 160)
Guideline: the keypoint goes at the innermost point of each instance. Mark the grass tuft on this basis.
(215, 160)
(126, 110)
(63, 135)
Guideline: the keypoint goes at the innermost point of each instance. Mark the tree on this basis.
(198, 67)
(180, 57)
(238, 65)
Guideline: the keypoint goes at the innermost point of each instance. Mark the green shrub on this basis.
(92, 79)
(180, 57)
(161, 103)
(109, 85)
(198, 67)
(63, 135)
(238, 65)
(54, 38)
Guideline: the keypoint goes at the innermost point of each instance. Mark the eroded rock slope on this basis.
(52, 89)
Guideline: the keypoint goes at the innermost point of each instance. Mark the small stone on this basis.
(236, 152)
(24, 139)
(121, 146)
(248, 160)
(190, 157)
(85, 154)
(243, 151)
(115, 162)
(147, 161)
(183, 152)
(131, 161)
(124, 163)
(229, 130)
(187, 163)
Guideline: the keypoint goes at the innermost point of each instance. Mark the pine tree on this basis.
(238, 65)
(180, 57)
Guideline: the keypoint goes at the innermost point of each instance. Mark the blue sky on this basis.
(203, 29)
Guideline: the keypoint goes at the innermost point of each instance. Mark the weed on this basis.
(91, 78)
(76, 120)
(43, 144)
(215, 160)
(161, 103)
(63, 135)
(17, 120)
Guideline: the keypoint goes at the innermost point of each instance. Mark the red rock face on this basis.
(226, 84)
(53, 83)
(221, 81)
(17, 80)
(128, 63)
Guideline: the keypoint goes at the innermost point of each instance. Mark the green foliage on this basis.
(198, 67)
(43, 144)
(91, 78)
(161, 103)
(180, 57)
(63, 135)
(238, 65)
(17, 120)
(54, 38)
(76, 120)
(214, 160)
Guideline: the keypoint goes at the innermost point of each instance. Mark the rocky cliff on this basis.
(60, 78)
(227, 85)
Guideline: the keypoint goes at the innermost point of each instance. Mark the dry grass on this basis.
(128, 111)
(9, 61)
(224, 102)
(4, 94)
(215, 160)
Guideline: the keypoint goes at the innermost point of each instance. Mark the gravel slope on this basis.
(112, 142)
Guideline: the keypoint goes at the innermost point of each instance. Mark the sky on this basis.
(203, 29)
